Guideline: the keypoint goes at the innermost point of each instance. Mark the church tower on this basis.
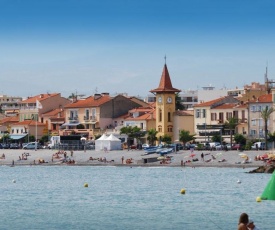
(165, 104)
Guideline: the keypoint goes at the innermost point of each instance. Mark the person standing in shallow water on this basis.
(243, 222)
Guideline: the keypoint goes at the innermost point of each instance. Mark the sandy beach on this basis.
(136, 157)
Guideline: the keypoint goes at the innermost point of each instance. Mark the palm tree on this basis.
(74, 96)
(152, 136)
(231, 124)
(132, 132)
(265, 115)
(186, 137)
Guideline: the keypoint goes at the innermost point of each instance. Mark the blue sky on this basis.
(88, 46)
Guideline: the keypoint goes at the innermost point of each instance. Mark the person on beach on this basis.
(202, 157)
(243, 222)
(122, 159)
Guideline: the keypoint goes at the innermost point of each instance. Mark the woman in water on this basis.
(243, 221)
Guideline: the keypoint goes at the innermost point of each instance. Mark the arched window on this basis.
(169, 117)
(159, 128)
(160, 115)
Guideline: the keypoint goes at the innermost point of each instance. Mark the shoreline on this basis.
(232, 159)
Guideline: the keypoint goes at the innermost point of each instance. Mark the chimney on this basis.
(41, 95)
(97, 96)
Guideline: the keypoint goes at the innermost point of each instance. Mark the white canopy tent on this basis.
(99, 143)
(113, 143)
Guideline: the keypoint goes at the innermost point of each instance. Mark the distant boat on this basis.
(164, 151)
(152, 149)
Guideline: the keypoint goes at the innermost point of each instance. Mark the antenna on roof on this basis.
(266, 68)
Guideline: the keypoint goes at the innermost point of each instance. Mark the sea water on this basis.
(49, 197)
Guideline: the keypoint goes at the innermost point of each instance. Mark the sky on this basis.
(118, 46)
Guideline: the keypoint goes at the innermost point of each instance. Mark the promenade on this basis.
(136, 157)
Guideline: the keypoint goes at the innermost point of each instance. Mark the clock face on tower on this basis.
(169, 99)
(160, 99)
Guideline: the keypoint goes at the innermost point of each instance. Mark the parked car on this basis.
(1, 146)
(236, 147)
(14, 146)
(228, 146)
(6, 146)
(258, 145)
(218, 147)
(31, 145)
(145, 145)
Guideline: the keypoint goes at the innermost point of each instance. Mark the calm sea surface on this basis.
(131, 198)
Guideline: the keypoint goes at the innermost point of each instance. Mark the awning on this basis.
(17, 137)
(70, 124)
(210, 130)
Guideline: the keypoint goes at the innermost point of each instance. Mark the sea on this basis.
(55, 197)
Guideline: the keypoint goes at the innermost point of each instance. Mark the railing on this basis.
(73, 118)
(93, 118)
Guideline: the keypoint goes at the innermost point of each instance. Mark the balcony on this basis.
(93, 118)
(73, 119)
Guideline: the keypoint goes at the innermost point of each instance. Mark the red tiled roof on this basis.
(185, 112)
(225, 106)
(146, 116)
(30, 123)
(165, 84)
(89, 102)
(209, 103)
(141, 109)
(39, 97)
(9, 119)
(265, 98)
(53, 112)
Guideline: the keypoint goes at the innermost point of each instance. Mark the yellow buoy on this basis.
(182, 191)
(258, 199)
(86, 185)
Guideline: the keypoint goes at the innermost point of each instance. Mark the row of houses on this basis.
(52, 114)
(102, 113)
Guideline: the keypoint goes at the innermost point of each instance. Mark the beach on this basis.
(130, 158)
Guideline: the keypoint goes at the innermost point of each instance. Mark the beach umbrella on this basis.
(243, 155)
(161, 158)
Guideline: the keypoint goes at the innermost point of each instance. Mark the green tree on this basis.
(231, 123)
(6, 138)
(132, 132)
(179, 106)
(44, 139)
(185, 137)
(240, 139)
(265, 115)
(152, 136)
(217, 138)
(80, 126)
(75, 96)
(166, 139)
